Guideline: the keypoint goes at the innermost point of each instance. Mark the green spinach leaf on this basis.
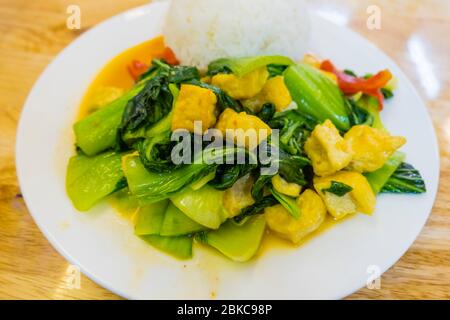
(338, 188)
(406, 179)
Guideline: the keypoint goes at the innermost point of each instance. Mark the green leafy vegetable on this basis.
(148, 107)
(90, 179)
(243, 66)
(204, 206)
(295, 129)
(350, 73)
(291, 168)
(267, 112)
(358, 115)
(149, 187)
(157, 131)
(203, 181)
(123, 202)
(257, 208)
(155, 153)
(149, 218)
(316, 95)
(98, 131)
(406, 179)
(338, 188)
(276, 70)
(378, 178)
(288, 203)
(176, 223)
(174, 74)
(227, 174)
(387, 93)
(258, 187)
(179, 247)
(371, 105)
(239, 243)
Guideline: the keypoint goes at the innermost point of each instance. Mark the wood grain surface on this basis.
(414, 33)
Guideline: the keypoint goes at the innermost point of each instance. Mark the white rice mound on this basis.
(200, 31)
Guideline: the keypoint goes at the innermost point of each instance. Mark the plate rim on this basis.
(144, 9)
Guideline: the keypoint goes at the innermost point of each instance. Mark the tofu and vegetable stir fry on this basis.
(150, 147)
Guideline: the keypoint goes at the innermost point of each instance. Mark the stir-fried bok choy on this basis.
(253, 143)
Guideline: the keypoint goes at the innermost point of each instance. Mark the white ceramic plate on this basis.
(330, 266)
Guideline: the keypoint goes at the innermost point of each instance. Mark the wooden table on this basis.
(414, 33)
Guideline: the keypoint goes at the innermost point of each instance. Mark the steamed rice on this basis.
(200, 31)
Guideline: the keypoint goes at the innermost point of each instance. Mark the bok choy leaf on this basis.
(378, 178)
(98, 131)
(151, 186)
(90, 179)
(179, 247)
(237, 242)
(406, 179)
(316, 95)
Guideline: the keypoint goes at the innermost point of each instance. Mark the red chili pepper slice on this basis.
(137, 68)
(352, 85)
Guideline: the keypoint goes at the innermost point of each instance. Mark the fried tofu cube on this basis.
(371, 147)
(328, 151)
(284, 187)
(313, 213)
(194, 104)
(245, 130)
(360, 199)
(245, 87)
(276, 92)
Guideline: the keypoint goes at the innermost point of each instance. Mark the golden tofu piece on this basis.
(371, 147)
(244, 87)
(360, 199)
(284, 187)
(276, 92)
(194, 104)
(328, 151)
(239, 196)
(313, 212)
(245, 130)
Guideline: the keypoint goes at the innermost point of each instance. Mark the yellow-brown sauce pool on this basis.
(115, 74)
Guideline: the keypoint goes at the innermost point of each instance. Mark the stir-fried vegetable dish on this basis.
(320, 126)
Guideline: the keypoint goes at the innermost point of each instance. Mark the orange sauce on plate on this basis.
(115, 73)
